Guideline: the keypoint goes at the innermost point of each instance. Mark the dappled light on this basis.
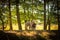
(13, 15)
(29, 19)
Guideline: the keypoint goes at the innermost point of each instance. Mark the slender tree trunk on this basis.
(10, 20)
(45, 26)
(48, 23)
(2, 24)
(2, 16)
(24, 12)
(58, 21)
(18, 15)
(58, 14)
(48, 17)
(25, 15)
(1, 19)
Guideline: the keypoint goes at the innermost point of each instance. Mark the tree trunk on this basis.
(10, 20)
(48, 17)
(45, 26)
(2, 20)
(2, 16)
(24, 11)
(48, 22)
(58, 19)
(2, 24)
(18, 15)
(25, 16)
(58, 22)
(58, 15)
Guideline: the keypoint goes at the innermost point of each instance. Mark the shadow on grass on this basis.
(8, 36)
(12, 36)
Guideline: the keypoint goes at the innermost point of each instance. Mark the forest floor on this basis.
(33, 34)
(29, 35)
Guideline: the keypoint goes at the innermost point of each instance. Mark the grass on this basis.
(38, 27)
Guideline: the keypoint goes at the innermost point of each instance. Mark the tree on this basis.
(45, 26)
(10, 20)
(1, 14)
(18, 15)
(55, 12)
(58, 14)
(48, 20)
(1, 18)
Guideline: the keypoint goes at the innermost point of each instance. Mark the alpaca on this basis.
(30, 24)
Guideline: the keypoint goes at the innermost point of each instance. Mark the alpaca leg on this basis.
(26, 27)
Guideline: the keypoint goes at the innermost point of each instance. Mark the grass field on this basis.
(38, 27)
